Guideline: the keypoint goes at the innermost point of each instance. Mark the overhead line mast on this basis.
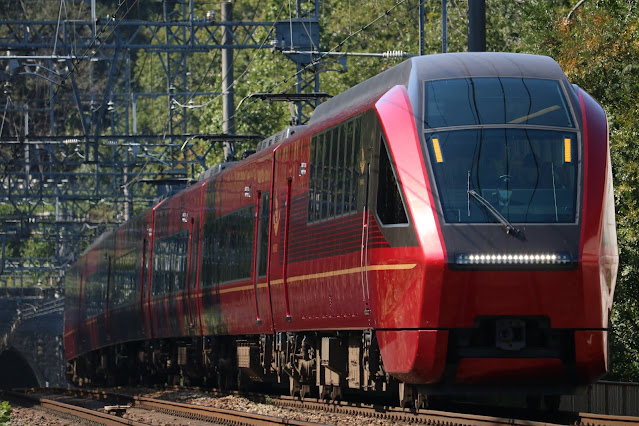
(102, 160)
(228, 93)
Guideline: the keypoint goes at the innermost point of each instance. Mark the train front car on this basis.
(505, 170)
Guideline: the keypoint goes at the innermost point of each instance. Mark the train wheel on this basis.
(220, 381)
(304, 390)
(111, 380)
(243, 382)
(336, 393)
(421, 401)
(405, 394)
(293, 386)
(323, 391)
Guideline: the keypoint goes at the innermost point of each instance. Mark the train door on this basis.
(296, 264)
(191, 275)
(260, 192)
(260, 254)
(282, 176)
(365, 235)
(107, 296)
(364, 138)
(199, 260)
(82, 328)
(144, 286)
(145, 295)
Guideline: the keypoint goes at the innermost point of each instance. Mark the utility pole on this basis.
(228, 104)
(422, 44)
(444, 27)
(476, 25)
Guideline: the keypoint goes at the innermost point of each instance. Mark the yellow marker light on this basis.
(567, 154)
(438, 151)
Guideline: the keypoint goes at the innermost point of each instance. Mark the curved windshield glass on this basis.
(528, 175)
(495, 100)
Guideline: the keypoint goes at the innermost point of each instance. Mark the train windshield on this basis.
(495, 100)
(497, 153)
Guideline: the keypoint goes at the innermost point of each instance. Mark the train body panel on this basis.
(173, 284)
(316, 264)
(243, 214)
(447, 224)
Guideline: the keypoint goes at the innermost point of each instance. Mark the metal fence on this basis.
(614, 398)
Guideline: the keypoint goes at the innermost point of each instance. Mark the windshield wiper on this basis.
(509, 227)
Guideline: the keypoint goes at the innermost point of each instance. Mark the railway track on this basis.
(69, 410)
(112, 413)
(111, 402)
(436, 417)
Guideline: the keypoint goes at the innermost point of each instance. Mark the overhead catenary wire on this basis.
(246, 71)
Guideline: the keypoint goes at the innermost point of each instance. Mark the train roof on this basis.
(440, 66)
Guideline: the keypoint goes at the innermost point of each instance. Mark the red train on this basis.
(446, 226)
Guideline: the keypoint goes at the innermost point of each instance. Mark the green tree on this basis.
(598, 48)
(5, 413)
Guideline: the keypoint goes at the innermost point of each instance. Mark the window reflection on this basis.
(495, 100)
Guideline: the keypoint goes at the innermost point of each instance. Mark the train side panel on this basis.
(599, 258)
(173, 286)
(125, 322)
(317, 269)
(71, 310)
(233, 286)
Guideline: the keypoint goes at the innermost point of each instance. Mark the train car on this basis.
(444, 227)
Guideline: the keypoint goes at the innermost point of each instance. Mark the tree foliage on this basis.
(598, 49)
(5, 413)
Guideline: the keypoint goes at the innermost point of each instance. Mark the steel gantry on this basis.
(72, 163)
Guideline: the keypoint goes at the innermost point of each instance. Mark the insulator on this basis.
(394, 54)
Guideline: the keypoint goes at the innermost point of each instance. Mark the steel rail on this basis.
(449, 418)
(422, 416)
(389, 413)
(210, 413)
(75, 411)
(590, 419)
(195, 412)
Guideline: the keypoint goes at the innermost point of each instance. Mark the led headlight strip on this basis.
(512, 259)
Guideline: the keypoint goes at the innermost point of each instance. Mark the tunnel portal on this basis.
(15, 371)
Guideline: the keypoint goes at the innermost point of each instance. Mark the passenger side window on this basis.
(334, 171)
(390, 207)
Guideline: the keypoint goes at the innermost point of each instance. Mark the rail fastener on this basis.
(116, 410)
